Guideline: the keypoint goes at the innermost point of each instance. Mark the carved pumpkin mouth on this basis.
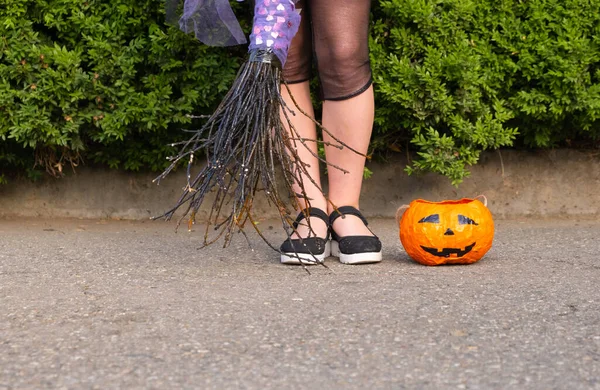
(446, 252)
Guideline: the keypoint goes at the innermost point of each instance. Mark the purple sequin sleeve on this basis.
(275, 24)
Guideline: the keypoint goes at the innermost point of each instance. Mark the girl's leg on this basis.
(307, 152)
(297, 72)
(350, 121)
(341, 47)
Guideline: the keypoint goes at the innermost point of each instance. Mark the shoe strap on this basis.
(311, 212)
(346, 210)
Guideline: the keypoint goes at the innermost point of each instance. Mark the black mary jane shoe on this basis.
(354, 249)
(310, 250)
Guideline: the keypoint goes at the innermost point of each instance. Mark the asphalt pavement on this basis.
(91, 304)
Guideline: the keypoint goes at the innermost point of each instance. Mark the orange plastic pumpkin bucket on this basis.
(448, 232)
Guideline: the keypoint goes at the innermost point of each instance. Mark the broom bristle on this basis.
(245, 143)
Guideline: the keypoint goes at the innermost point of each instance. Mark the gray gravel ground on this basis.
(109, 305)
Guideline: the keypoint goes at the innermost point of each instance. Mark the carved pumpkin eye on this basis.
(462, 220)
(433, 218)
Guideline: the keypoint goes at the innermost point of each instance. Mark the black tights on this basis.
(336, 34)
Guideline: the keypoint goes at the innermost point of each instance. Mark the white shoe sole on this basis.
(356, 258)
(306, 258)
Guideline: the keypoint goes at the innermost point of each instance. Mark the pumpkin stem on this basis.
(401, 211)
(484, 201)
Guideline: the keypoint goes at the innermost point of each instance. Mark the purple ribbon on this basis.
(214, 24)
(212, 21)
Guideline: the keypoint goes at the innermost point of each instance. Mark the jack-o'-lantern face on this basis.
(448, 232)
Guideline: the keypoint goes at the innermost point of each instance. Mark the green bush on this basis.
(460, 76)
(110, 82)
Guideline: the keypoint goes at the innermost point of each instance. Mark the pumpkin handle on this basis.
(401, 211)
(484, 201)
